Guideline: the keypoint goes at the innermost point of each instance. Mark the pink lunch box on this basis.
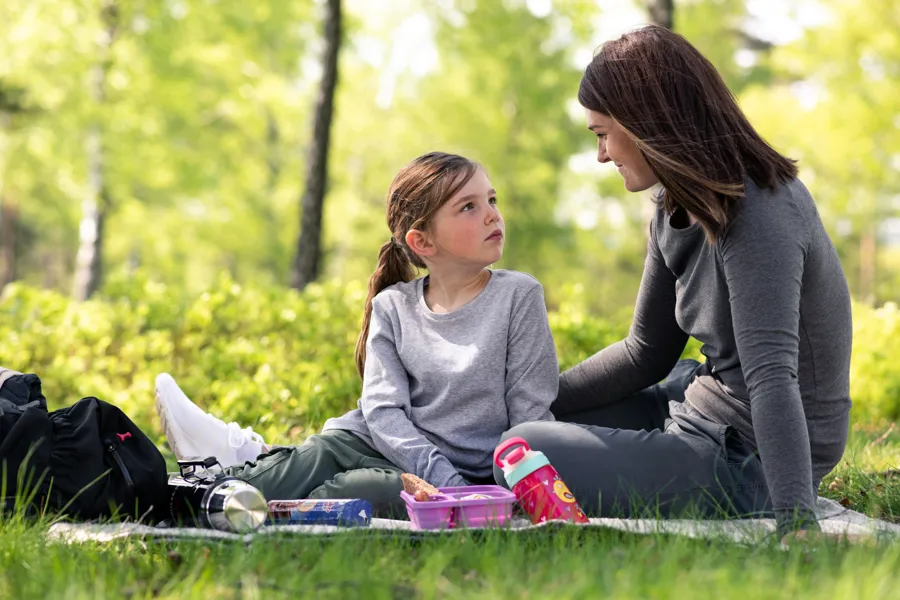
(453, 507)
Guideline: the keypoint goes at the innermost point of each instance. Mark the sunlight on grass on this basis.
(567, 563)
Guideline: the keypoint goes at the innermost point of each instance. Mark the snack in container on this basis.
(343, 513)
(413, 485)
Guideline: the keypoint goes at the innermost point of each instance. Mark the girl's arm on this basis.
(645, 357)
(763, 255)
(532, 370)
(386, 407)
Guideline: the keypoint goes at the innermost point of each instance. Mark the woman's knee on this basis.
(533, 430)
(541, 436)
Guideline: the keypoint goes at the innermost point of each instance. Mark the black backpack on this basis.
(87, 461)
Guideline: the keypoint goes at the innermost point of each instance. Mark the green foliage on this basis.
(273, 358)
(832, 105)
(204, 123)
(875, 365)
(283, 361)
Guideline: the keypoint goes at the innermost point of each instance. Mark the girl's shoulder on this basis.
(515, 278)
(518, 280)
(404, 292)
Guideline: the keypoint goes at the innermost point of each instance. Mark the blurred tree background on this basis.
(173, 140)
(170, 169)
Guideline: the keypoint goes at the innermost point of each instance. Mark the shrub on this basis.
(282, 361)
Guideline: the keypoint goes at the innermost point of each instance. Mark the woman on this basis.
(737, 258)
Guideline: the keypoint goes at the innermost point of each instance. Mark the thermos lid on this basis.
(234, 505)
(245, 509)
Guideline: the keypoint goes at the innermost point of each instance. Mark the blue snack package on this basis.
(343, 513)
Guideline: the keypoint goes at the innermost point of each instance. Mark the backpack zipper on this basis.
(111, 448)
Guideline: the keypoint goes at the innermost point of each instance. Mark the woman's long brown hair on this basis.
(416, 193)
(673, 103)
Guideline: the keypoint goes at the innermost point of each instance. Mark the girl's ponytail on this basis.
(393, 267)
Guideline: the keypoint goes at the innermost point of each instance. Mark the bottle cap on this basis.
(514, 456)
(521, 461)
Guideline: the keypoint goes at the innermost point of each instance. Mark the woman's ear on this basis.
(420, 243)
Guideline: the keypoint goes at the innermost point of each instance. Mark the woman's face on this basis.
(613, 144)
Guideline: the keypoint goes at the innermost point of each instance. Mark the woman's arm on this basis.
(763, 255)
(645, 357)
(386, 407)
(532, 370)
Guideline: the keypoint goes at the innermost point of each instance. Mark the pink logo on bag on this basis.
(123, 436)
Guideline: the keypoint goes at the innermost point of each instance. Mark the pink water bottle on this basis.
(541, 493)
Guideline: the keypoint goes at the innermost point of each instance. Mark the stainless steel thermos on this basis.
(200, 498)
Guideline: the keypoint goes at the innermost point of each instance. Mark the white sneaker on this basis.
(194, 433)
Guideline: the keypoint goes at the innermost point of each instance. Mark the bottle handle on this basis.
(504, 446)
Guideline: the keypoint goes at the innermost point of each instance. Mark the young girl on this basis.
(449, 361)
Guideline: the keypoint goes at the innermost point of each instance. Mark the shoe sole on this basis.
(164, 419)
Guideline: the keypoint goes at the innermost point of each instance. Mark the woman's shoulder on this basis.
(787, 195)
(787, 207)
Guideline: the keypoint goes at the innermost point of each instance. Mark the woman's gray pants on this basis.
(650, 455)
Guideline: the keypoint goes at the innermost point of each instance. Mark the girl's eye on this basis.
(601, 136)
(468, 206)
(493, 200)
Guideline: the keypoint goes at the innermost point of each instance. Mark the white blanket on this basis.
(833, 518)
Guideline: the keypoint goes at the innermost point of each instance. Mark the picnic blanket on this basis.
(833, 518)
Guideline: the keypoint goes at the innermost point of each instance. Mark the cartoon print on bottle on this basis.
(561, 491)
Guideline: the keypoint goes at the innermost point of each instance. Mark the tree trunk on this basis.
(662, 12)
(273, 225)
(9, 225)
(9, 215)
(308, 258)
(89, 260)
(94, 207)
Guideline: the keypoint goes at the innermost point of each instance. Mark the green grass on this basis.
(567, 563)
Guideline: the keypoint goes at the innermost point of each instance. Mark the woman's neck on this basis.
(450, 290)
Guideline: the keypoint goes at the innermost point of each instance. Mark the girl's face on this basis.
(614, 145)
(468, 228)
